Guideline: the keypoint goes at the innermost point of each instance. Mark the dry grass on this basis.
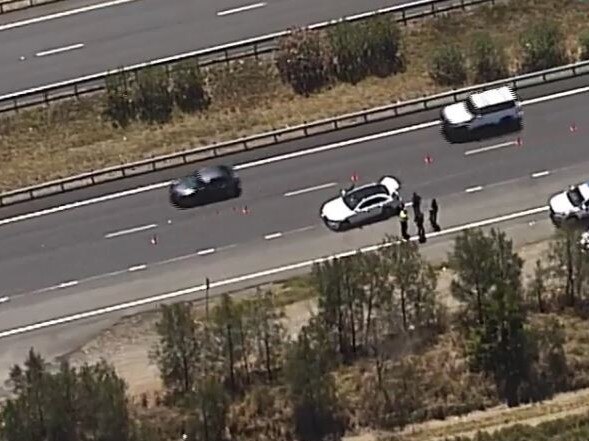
(73, 137)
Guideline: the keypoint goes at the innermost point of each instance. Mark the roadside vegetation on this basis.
(313, 75)
(383, 351)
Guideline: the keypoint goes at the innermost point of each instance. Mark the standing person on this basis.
(416, 202)
(433, 215)
(404, 219)
(420, 228)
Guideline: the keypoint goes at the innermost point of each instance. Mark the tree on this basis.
(120, 108)
(178, 351)
(304, 61)
(68, 405)
(188, 87)
(570, 267)
(269, 332)
(311, 388)
(382, 43)
(537, 288)
(584, 45)
(482, 262)
(448, 66)
(347, 43)
(489, 59)
(543, 46)
(153, 98)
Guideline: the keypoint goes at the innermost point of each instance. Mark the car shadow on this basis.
(482, 134)
(191, 205)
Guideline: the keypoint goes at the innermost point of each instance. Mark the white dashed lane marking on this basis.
(272, 236)
(489, 148)
(310, 189)
(130, 231)
(474, 189)
(241, 9)
(59, 50)
(137, 268)
(540, 174)
(206, 252)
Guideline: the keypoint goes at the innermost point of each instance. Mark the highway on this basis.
(64, 47)
(100, 254)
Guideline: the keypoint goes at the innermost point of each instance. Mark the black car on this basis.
(204, 186)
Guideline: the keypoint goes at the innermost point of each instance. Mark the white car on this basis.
(491, 108)
(361, 205)
(571, 205)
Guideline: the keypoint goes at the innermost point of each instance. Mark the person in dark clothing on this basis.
(416, 202)
(419, 221)
(404, 219)
(433, 215)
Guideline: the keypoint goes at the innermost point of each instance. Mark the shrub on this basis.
(543, 47)
(584, 45)
(382, 46)
(448, 67)
(304, 61)
(119, 103)
(153, 99)
(347, 43)
(368, 47)
(188, 87)
(489, 60)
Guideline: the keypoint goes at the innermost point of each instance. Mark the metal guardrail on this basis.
(17, 5)
(287, 134)
(250, 48)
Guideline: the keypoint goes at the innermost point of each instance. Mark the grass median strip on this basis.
(250, 97)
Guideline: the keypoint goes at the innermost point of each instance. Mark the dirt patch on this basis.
(73, 137)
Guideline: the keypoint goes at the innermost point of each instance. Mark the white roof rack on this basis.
(492, 97)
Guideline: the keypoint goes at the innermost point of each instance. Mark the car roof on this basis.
(492, 97)
(207, 174)
(367, 190)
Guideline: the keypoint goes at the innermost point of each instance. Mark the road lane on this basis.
(71, 245)
(142, 30)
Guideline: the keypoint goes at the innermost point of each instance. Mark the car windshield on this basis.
(354, 197)
(190, 182)
(471, 107)
(575, 197)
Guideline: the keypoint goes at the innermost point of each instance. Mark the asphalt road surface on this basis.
(66, 47)
(79, 259)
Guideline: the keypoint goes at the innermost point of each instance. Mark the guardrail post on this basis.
(462, 4)
(404, 17)
(305, 129)
(46, 97)
(433, 10)
(256, 51)
(226, 52)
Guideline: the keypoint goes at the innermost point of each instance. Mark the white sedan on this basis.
(571, 205)
(368, 203)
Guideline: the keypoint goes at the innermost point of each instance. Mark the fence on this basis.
(250, 48)
(292, 133)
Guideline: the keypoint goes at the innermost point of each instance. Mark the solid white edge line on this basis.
(206, 252)
(272, 236)
(241, 9)
(256, 275)
(489, 148)
(474, 189)
(130, 231)
(137, 268)
(271, 160)
(310, 189)
(59, 50)
(81, 10)
(540, 174)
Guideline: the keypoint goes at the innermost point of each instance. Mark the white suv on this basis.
(489, 109)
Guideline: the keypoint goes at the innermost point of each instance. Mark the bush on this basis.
(304, 61)
(188, 87)
(448, 67)
(382, 45)
(584, 45)
(347, 43)
(368, 47)
(119, 103)
(489, 60)
(543, 47)
(153, 98)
